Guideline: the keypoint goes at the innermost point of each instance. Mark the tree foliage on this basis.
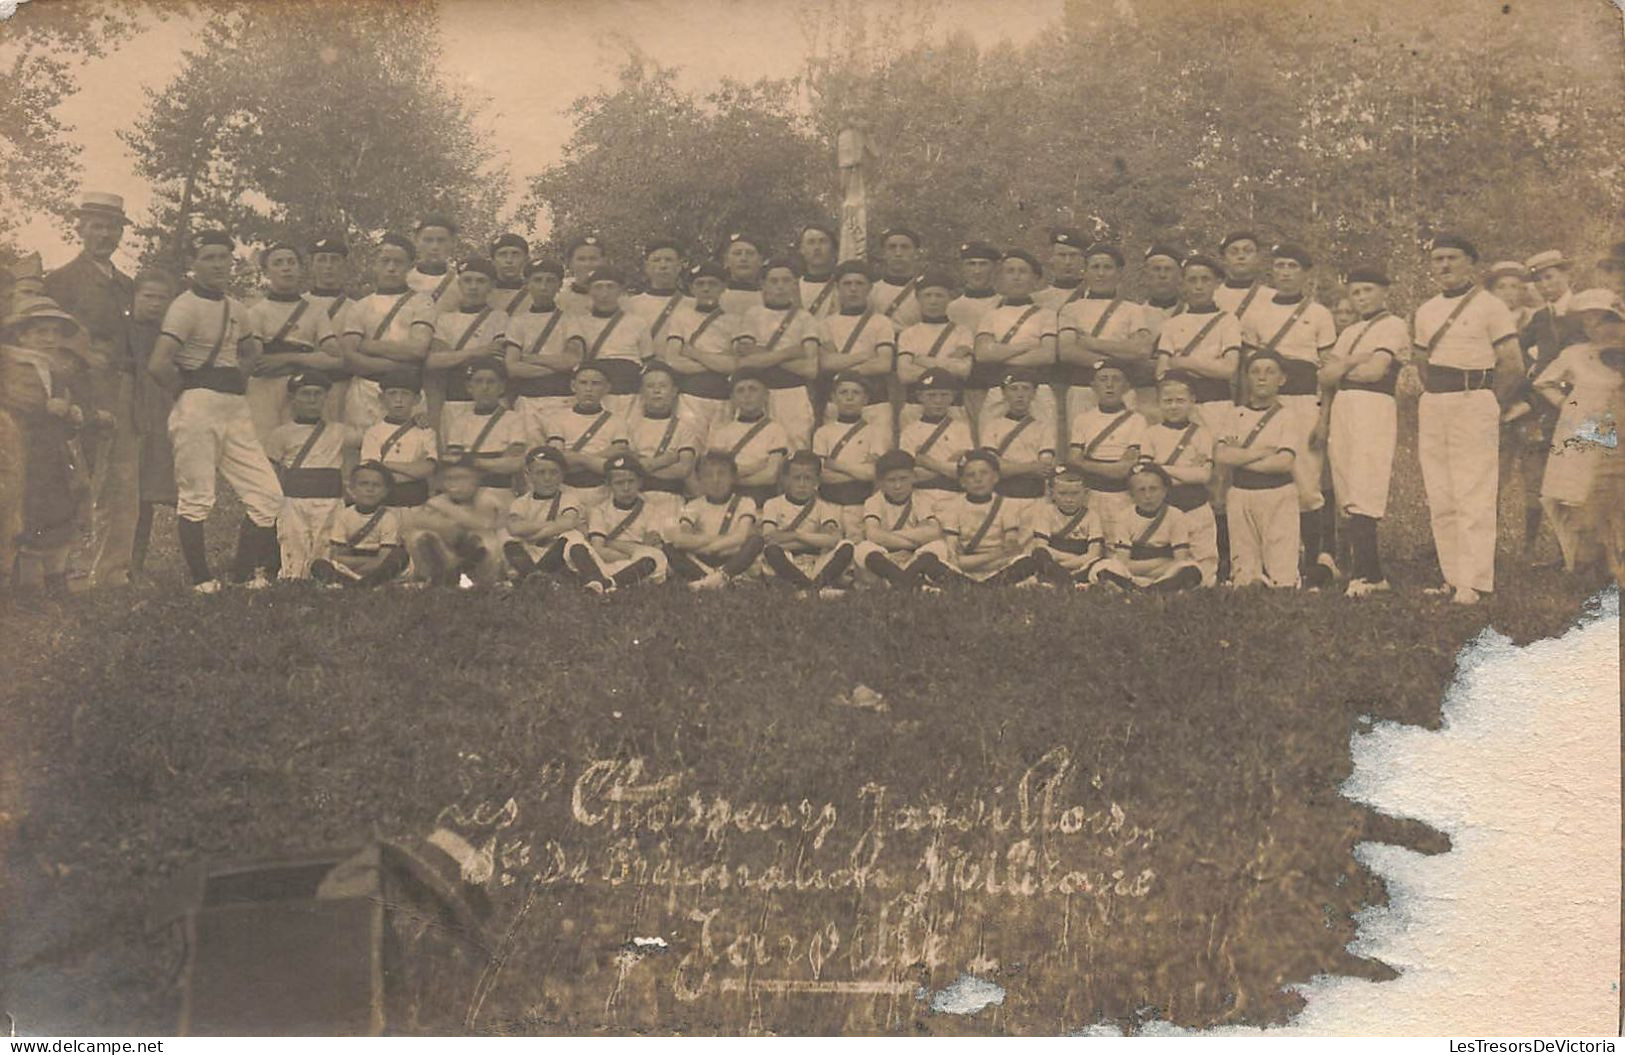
(649, 159)
(289, 122)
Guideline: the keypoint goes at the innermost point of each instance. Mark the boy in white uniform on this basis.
(540, 521)
(384, 331)
(1106, 439)
(1101, 325)
(664, 440)
(660, 298)
(935, 342)
(397, 442)
(984, 538)
(782, 342)
(1022, 442)
(588, 434)
(308, 452)
(899, 521)
(607, 336)
(490, 436)
(1299, 331)
(1259, 448)
(804, 546)
(510, 293)
(625, 536)
(432, 274)
(297, 336)
(858, 340)
(757, 443)
(699, 346)
(742, 260)
(849, 445)
(937, 439)
(817, 246)
(1067, 532)
(978, 269)
(716, 540)
(1148, 547)
(1017, 333)
(365, 547)
(1245, 270)
(471, 332)
(1183, 447)
(539, 365)
(893, 296)
(1362, 421)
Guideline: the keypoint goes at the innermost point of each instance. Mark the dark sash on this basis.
(728, 516)
(1100, 437)
(823, 295)
(665, 313)
(801, 517)
(852, 338)
(987, 524)
(366, 529)
(547, 331)
(485, 433)
(1070, 526)
(1179, 448)
(942, 339)
(469, 333)
(705, 324)
(1247, 301)
(1258, 426)
(619, 529)
(1151, 529)
(840, 444)
(897, 301)
(603, 335)
(750, 434)
(445, 284)
(1019, 323)
(310, 442)
(394, 438)
(1100, 324)
(778, 334)
(389, 317)
(338, 303)
(1297, 313)
(665, 437)
(514, 303)
(290, 322)
(902, 518)
(936, 434)
(1439, 334)
(1201, 335)
(1010, 437)
(585, 438)
(220, 338)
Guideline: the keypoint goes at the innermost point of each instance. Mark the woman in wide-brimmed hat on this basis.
(44, 488)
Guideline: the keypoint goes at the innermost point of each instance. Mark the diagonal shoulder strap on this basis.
(334, 308)
(1100, 324)
(592, 430)
(603, 335)
(1071, 525)
(389, 316)
(750, 434)
(309, 445)
(1439, 334)
(897, 301)
(857, 331)
(360, 534)
(936, 434)
(1019, 323)
(220, 338)
(904, 515)
(1184, 441)
(728, 515)
(1258, 426)
(291, 321)
(942, 339)
(1201, 335)
(665, 313)
(627, 521)
(778, 334)
(485, 432)
(1151, 529)
(468, 333)
(846, 437)
(1280, 334)
(547, 331)
(394, 438)
(1100, 437)
(987, 524)
(822, 298)
(1010, 437)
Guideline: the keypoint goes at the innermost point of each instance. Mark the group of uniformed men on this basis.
(822, 422)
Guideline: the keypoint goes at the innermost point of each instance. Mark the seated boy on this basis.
(983, 538)
(588, 434)
(716, 541)
(1066, 532)
(1023, 445)
(490, 436)
(937, 437)
(540, 520)
(1106, 438)
(625, 537)
(849, 445)
(756, 442)
(899, 522)
(408, 449)
(803, 544)
(456, 533)
(308, 453)
(1259, 448)
(1149, 546)
(1184, 449)
(365, 547)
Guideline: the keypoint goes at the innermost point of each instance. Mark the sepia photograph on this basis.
(883, 518)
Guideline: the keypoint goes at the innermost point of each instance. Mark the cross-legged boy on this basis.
(1067, 532)
(938, 437)
(804, 545)
(1259, 448)
(490, 435)
(716, 540)
(1024, 443)
(899, 521)
(984, 539)
(1362, 421)
(1184, 448)
(409, 450)
(457, 533)
(849, 446)
(365, 547)
(625, 543)
(588, 434)
(540, 520)
(1149, 546)
(308, 453)
(757, 443)
(1106, 438)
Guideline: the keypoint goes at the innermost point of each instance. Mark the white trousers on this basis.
(1458, 442)
(268, 405)
(1204, 541)
(609, 568)
(1360, 444)
(211, 433)
(1264, 536)
(1304, 414)
(302, 532)
(792, 409)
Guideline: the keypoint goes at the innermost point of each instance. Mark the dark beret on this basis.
(1293, 251)
(488, 362)
(626, 462)
(1203, 260)
(1162, 249)
(656, 244)
(979, 454)
(510, 241)
(1104, 248)
(437, 220)
(980, 251)
(1239, 236)
(1025, 257)
(335, 246)
(936, 277)
(902, 232)
(893, 461)
(607, 274)
(203, 238)
(399, 241)
(480, 266)
(1365, 273)
(538, 267)
(1454, 241)
(853, 267)
(309, 379)
(544, 453)
(708, 270)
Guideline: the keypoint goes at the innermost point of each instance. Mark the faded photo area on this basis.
(898, 518)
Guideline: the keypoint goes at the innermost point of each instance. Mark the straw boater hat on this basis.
(30, 309)
(1544, 259)
(1597, 300)
(100, 203)
(1506, 267)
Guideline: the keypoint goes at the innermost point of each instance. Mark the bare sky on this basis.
(529, 58)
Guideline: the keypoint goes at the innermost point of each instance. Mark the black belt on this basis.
(312, 483)
(1146, 551)
(551, 385)
(708, 385)
(583, 478)
(227, 379)
(665, 487)
(1108, 484)
(1384, 387)
(846, 492)
(1021, 487)
(1249, 480)
(503, 480)
(1302, 378)
(1449, 379)
(1186, 497)
(407, 493)
(777, 377)
(1077, 547)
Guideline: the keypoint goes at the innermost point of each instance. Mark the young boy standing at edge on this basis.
(1259, 448)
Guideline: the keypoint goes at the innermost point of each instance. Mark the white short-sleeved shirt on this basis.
(919, 509)
(1066, 532)
(634, 525)
(270, 319)
(346, 531)
(1188, 446)
(968, 309)
(530, 510)
(933, 343)
(463, 430)
(771, 331)
(1384, 333)
(1114, 317)
(1057, 297)
(1106, 435)
(534, 334)
(1311, 333)
(963, 517)
(201, 323)
(1469, 343)
(896, 302)
(1018, 439)
(380, 442)
(818, 296)
(1241, 300)
(284, 443)
(868, 334)
(595, 432)
(1197, 336)
(923, 437)
(651, 437)
(627, 340)
(718, 518)
(441, 290)
(1157, 537)
(748, 444)
(375, 317)
(461, 331)
(657, 310)
(1155, 316)
(779, 512)
(510, 300)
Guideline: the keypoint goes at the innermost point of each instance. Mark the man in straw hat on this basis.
(98, 295)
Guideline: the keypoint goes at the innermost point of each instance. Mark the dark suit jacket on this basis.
(100, 303)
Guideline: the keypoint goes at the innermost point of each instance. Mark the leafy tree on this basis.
(43, 47)
(286, 122)
(649, 159)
